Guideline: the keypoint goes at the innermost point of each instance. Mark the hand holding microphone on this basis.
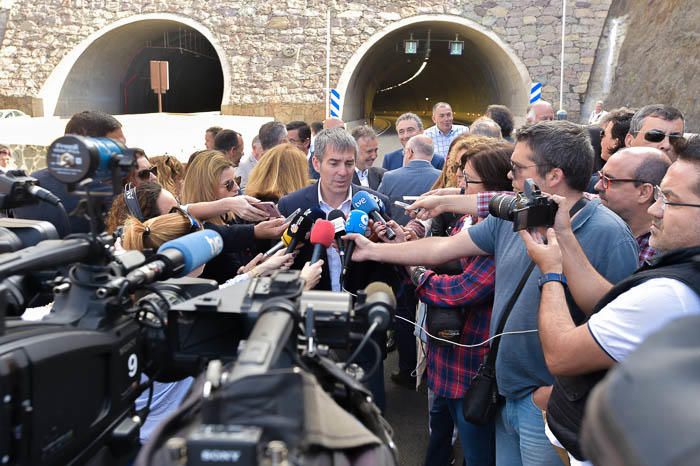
(365, 202)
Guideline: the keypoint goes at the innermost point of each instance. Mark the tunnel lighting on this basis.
(410, 46)
(456, 46)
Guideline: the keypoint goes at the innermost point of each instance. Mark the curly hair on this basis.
(448, 177)
(147, 195)
(171, 172)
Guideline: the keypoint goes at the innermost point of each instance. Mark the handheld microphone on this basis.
(321, 237)
(298, 229)
(174, 259)
(364, 201)
(357, 223)
(286, 236)
(337, 218)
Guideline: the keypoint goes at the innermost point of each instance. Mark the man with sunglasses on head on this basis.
(621, 315)
(659, 126)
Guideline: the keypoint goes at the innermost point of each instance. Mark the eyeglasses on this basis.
(230, 185)
(468, 181)
(660, 196)
(146, 173)
(605, 180)
(194, 224)
(656, 135)
(516, 169)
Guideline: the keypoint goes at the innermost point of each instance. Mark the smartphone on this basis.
(401, 204)
(269, 208)
(291, 216)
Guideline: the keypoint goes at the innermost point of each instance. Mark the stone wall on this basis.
(658, 61)
(276, 50)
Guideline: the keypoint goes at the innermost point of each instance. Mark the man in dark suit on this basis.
(407, 126)
(413, 179)
(334, 160)
(367, 146)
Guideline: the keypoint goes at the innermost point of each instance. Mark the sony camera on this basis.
(528, 209)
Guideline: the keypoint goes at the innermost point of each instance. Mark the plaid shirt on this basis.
(646, 252)
(442, 141)
(451, 368)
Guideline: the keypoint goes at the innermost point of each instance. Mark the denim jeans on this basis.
(477, 441)
(520, 437)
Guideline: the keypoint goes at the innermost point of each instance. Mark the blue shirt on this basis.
(611, 249)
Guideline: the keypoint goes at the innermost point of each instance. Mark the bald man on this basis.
(626, 186)
(539, 111)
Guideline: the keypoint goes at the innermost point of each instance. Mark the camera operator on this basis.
(86, 123)
(558, 156)
(666, 289)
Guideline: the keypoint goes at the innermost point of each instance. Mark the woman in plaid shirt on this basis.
(450, 368)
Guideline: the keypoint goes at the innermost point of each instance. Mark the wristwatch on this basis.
(551, 277)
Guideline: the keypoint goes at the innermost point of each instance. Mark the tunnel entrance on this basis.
(112, 74)
(382, 79)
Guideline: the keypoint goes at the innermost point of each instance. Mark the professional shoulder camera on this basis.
(528, 209)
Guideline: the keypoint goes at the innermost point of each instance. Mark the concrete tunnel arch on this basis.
(491, 71)
(78, 83)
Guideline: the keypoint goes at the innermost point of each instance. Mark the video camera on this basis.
(528, 209)
(69, 381)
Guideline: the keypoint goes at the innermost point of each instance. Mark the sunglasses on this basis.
(194, 224)
(145, 174)
(656, 135)
(230, 185)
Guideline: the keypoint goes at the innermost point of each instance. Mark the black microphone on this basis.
(337, 218)
(302, 226)
(357, 223)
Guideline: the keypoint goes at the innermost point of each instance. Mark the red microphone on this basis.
(322, 235)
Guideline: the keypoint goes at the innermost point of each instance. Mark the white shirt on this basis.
(596, 117)
(334, 265)
(362, 175)
(627, 320)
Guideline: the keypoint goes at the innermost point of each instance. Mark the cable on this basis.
(377, 361)
(516, 332)
(362, 344)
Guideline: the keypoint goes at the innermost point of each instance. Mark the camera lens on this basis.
(501, 206)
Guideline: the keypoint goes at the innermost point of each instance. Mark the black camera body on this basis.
(528, 209)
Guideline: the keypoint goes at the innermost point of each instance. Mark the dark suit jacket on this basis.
(414, 179)
(374, 176)
(360, 273)
(394, 160)
(53, 214)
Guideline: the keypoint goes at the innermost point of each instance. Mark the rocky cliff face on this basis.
(659, 60)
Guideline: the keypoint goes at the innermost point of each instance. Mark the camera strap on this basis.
(491, 358)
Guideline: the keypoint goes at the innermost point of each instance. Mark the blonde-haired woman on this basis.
(280, 171)
(210, 180)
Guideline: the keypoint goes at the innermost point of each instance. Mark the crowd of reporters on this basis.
(632, 202)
